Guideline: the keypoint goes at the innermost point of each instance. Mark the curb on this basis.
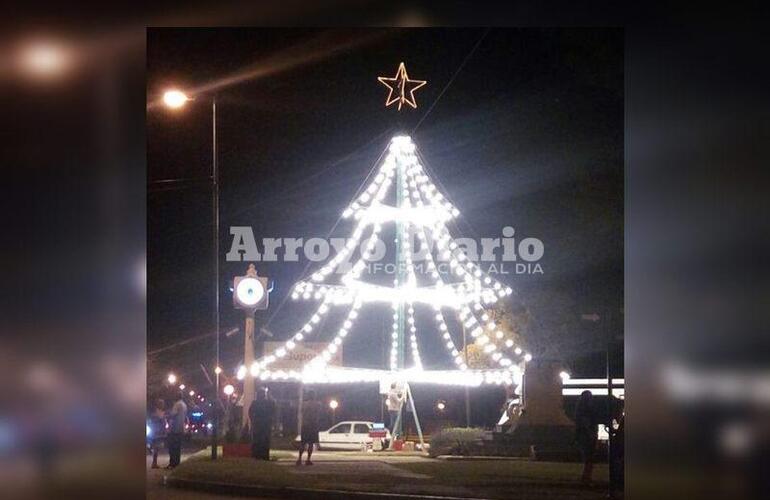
(294, 492)
(483, 457)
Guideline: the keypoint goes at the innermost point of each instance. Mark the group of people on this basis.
(167, 427)
(261, 413)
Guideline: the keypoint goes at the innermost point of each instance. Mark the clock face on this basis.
(250, 291)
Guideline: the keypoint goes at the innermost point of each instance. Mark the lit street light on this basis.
(181, 387)
(229, 390)
(43, 59)
(171, 378)
(440, 405)
(192, 393)
(217, 370)
(175, 99)
(333, 404)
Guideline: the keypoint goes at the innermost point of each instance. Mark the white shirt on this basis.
(394, 402)
(178, 416)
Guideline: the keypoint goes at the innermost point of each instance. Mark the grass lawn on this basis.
(489, 479)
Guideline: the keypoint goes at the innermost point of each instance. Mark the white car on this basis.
(348, 435)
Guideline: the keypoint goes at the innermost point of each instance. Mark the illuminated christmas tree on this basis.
(419, 210)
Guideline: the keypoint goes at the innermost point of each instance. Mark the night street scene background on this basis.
(517, 127)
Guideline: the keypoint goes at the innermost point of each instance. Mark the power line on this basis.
(457, 72)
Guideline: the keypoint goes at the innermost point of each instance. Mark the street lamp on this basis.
(44, 59)
(181, 387)
(333, 404)
(229, 390)
(440, 405)
(171, 378)
(175, 99)
(192, 393)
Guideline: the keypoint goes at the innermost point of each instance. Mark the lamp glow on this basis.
(228, 390)
(175, 99)
(43, 59)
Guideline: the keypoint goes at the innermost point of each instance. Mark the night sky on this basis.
(529, 134)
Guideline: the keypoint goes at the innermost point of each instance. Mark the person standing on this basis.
(261, 412)
(176, 432)
(311, 415)
(586, 432)
(157, 430)
(394, 402)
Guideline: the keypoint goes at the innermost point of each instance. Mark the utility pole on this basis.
(401, 276)
(467, 389)
(215, 210)
(606, 330)
(610, 407)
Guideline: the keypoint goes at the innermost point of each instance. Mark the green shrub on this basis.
(456, 441)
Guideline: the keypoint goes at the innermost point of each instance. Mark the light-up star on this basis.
(402, 87)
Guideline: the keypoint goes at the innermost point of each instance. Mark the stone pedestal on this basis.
(542, 423)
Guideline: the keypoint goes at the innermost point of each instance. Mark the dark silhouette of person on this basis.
(261, 412)
(311, 416)
(157, 430)
(586, 433)
(178, 420)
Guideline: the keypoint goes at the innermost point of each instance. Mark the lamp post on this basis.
(467, 391)
(333, 404)
(175, 99)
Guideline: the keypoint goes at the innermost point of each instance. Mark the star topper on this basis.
(402, 87)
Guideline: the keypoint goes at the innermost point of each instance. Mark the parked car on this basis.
(348, 435)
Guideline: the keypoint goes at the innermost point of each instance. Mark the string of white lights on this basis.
(394, 345)
(433, 271)
(482, 339)
(456, 255)
(424, 208)
(338, 375)
(371, 197)
(411, 281)
(320, 361)
(288, 346)
(413, 337)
